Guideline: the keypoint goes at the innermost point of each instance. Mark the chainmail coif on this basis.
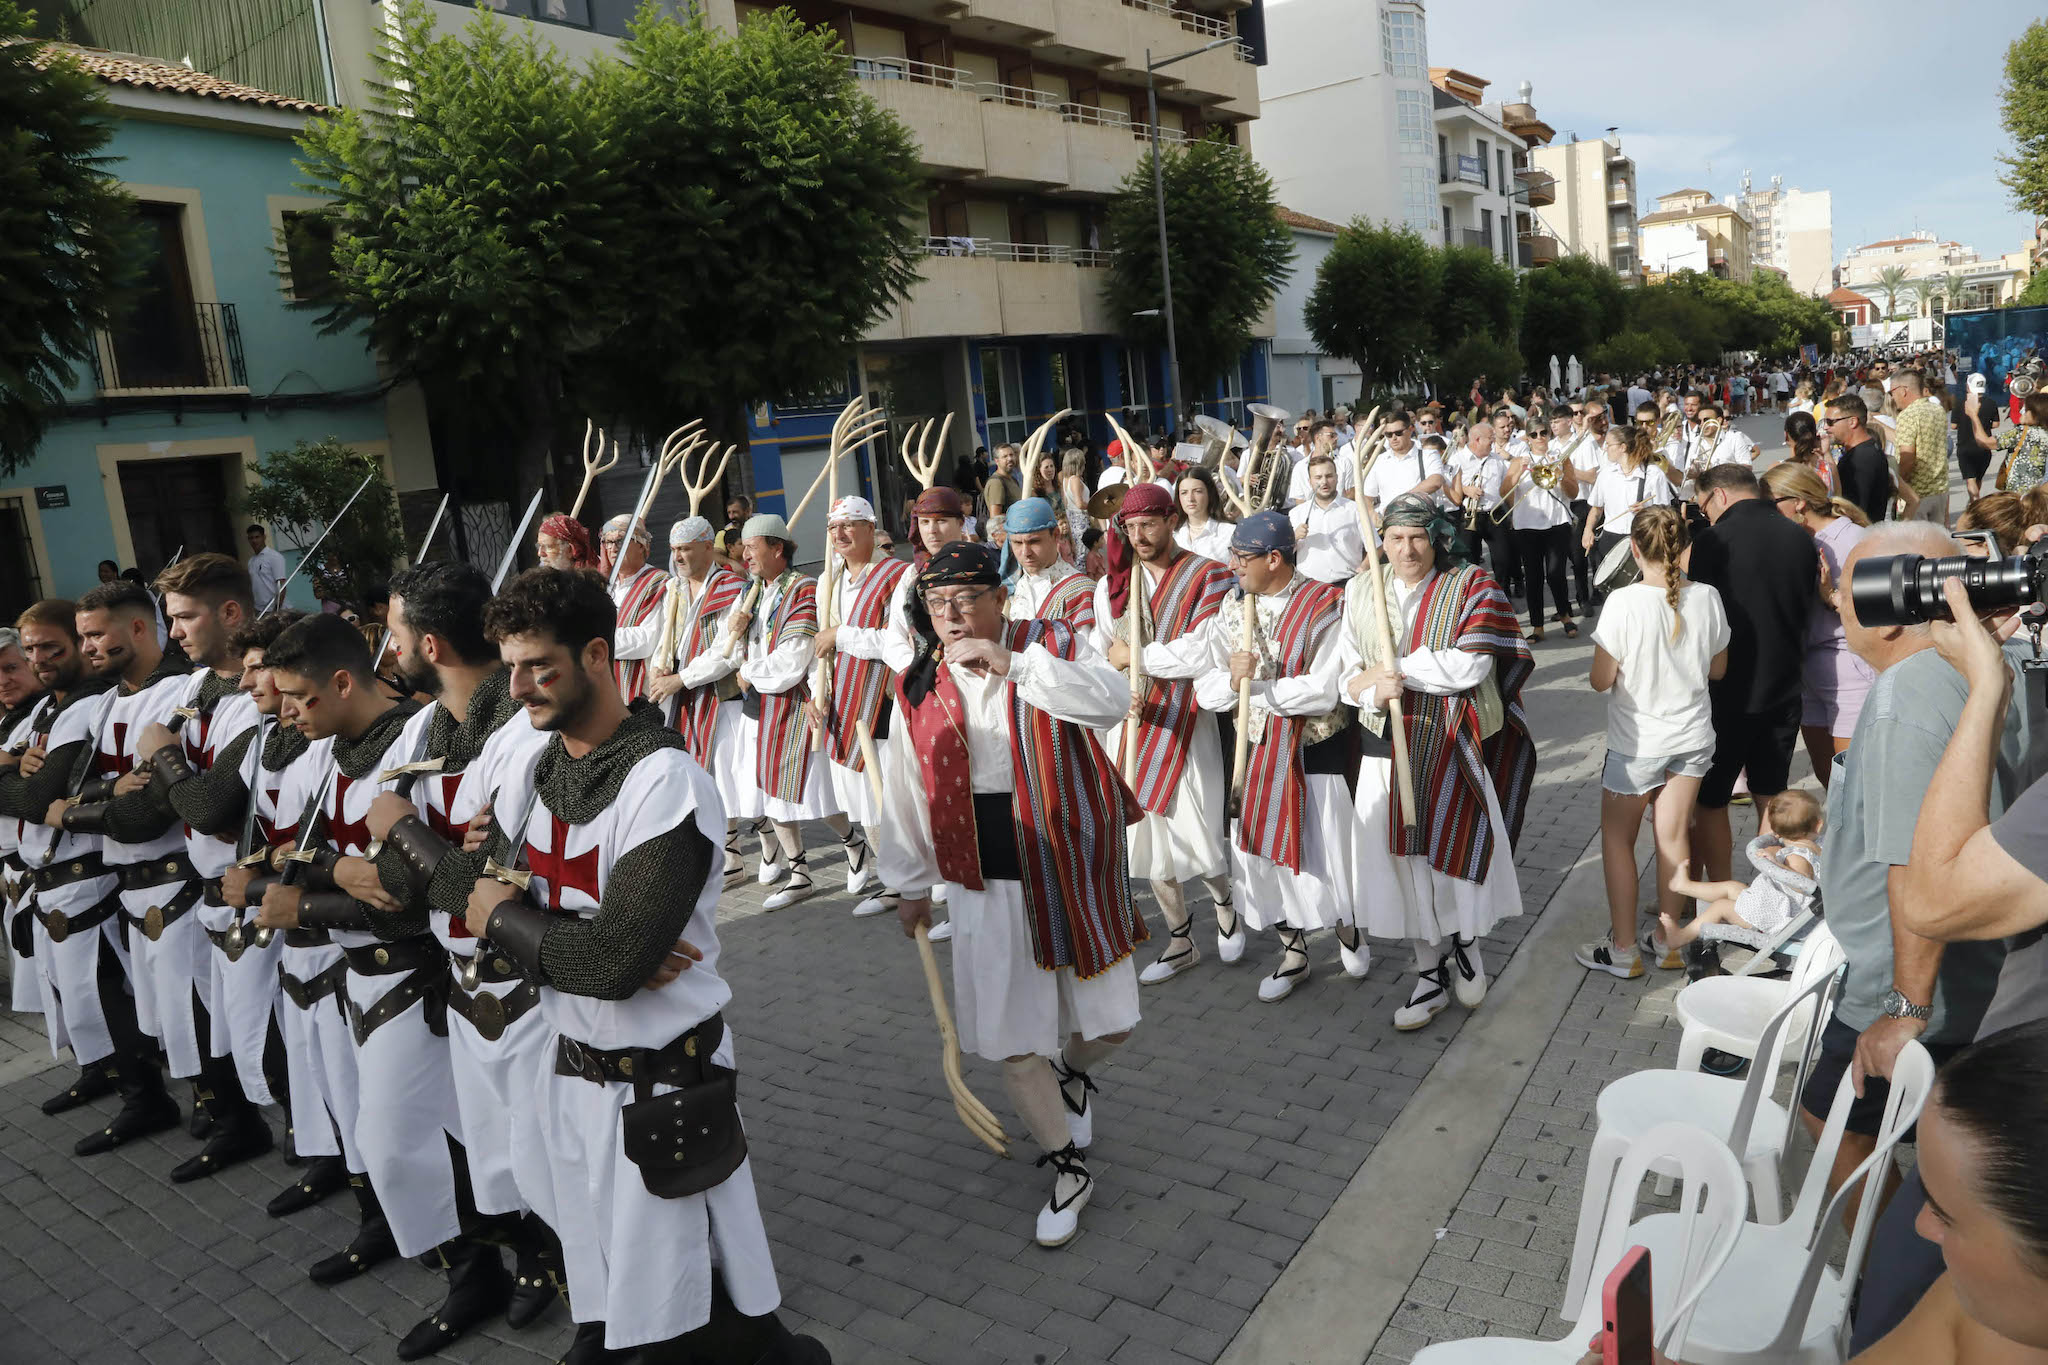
(360, 757)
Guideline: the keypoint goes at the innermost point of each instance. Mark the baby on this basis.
(1784, 860)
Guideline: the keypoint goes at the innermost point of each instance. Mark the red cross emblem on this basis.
(578, 873)
(437, 812)
(195, 745)
(118, 763)
(348, 836)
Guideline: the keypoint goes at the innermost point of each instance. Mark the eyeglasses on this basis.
(956, 603)
(613, 541)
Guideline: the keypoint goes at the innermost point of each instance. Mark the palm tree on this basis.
(1891, 281)
(1952, 288)
(1923, 292)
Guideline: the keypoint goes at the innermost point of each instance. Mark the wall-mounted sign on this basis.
(51, 495)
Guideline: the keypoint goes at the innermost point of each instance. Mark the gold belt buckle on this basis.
(490, 1017)
(153, 923)
(57, 925)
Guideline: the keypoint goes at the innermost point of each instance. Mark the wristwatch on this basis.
(1896, 1006)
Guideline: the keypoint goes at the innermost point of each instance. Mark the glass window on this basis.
(1409, 117)
(1500, 162)
(1387, 40)
(1137, 392)
(1418, 203)
(1480, 143)
(1401, 37)
(1002, 390)
(1229, 404)
(309, 254)
(1486, 228)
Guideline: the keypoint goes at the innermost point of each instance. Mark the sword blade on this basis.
(518, 536)
(639, 511)
(277, 597)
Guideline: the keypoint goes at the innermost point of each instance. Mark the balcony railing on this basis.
(1474, 237)
(1207, 25)
(1111, 118)
(987, 248)
(1466, 170)
(1537, 187)
(172, 349)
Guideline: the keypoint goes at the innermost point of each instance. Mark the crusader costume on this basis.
(1291, 854)
(1181, 783)
(997, 786)
(1463, 662)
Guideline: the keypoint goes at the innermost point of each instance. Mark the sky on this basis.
(1889, 104)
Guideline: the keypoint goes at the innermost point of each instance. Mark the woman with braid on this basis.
(1658, 644)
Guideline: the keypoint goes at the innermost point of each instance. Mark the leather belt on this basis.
(486, 967)
(71, 870)
(232, 941)
(683, 1061)
(213, 890)
(158, 918)
(403, 955)
(427, 985)
(142, 876)
(310, 991)
(490, 1015)
(306, 937)
(59, 925)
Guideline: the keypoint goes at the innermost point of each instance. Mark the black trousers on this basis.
(1582, 573)
(1500, 549)
(1543, 555)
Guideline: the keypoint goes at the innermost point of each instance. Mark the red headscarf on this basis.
(1142, 500)
(563, 527)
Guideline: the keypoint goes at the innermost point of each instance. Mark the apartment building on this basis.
(1029, 113)
(1791, 231)
(1955, 276)
(1476, 185)
(1593, 201)
(1692, 231)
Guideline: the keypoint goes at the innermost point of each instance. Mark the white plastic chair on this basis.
(1778, 1301)
(1740, 1113)
(1730, 1012)
(1703, 1236)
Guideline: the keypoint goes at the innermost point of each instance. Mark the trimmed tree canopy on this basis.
(304, 486)
(2023, 109)
(1372, 301)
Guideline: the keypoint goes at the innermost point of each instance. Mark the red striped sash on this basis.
(643, 597)
(783, 761)
(1071, 600)
(858, 684)
(1188, 594)
(697, 708)
(1275, 788)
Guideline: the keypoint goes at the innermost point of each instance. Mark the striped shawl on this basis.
(1275, 787)
(697, 707)
(1186, 596)
(859, 686)
(783, 761)
(639, 600)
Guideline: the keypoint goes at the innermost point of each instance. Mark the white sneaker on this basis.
(1653, 949)
(1601, 956)
(1468, 972)
(1230, 947)
(942, 932)
(1425, 1002)
(1180, 955)
(939, 894)
(1080, 1113)
(1060, 1219)
(1357, 961)
(879, 904)
(860, 867)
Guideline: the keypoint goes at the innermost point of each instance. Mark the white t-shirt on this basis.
(1659, 706)
(1615, 494)
(1394, 473)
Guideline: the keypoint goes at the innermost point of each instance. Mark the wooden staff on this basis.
(1034, 446)
(921, 455)
(698, 488)
(1383, 628)
(1239, 498)
(1138, 468)
(594, 462)
(978, 1118)
(852, 417)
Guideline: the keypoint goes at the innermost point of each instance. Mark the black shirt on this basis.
(1767, 571)
(1866, 479)
(1966, 435)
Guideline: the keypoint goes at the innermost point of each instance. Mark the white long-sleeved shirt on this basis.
(776, 670)
(637, 642)
(1329, 544)
(1028, 593)
(891, 643)
(1444, 672)
(1211, 542)
(1184, 657)
(1313, 693)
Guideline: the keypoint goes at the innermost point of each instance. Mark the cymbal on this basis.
(1106, 503)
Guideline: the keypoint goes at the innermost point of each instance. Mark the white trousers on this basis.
(25, 992)
(1321, 895)
(751, 803)
(166, 974)
(320, 1059)
(69, 976)
(1405, 897)
(405, 1112)
(1006, 1005)
(493, 1082)
(243, 997)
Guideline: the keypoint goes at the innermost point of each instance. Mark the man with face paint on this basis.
(1046, 587)
(21, 697)
(1459, 668)
(701, 592)
(639, 592)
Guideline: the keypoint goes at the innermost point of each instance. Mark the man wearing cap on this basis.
(865, 638)
(1292, 858)
(638, 590)
(996, 784)
(707, 716)
(776, 621)
(1180, 782)
(940, 518)
(1443, 875)
(1047, 587)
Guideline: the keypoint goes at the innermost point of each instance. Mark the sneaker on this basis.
(1429, 999)
(1599, 956)
(1468, 973)
(1060, 1219)
(942, 932)
(1080, 1112)
(1654, 949)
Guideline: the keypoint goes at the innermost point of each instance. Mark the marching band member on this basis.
(639, 592)
(1541, 516)
(1292, 848)
(1403, 466)
(1328, 542)
(1180, 784)
(707, 716)
(1459, 668)
(1033, 852)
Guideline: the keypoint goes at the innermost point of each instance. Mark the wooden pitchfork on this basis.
(980, 1121)
(1034, 446)
(1365, 452)
(857, 431)
(1138, 469)
(594, 462)
(921, 454)
(855, 417)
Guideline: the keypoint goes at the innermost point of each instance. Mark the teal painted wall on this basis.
(233, 170)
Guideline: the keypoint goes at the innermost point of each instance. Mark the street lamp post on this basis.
(1159, 198)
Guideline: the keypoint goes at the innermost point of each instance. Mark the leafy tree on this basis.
(1481, 297)
(2023, 109)
(775, 218)
(1477, 356)
(1635, 352)
(1229, 251)
(307, 485)
(2035, 293)
(478, 213)
(1567, 309)
(1789, 317)
(1373, 297)
(66, 230)
(1678, 309)
(1891, 282)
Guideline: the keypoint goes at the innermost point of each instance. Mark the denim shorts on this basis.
(1628, 775)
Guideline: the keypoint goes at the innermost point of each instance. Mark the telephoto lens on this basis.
(1905, 590)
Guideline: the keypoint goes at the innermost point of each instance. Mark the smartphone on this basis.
(1625, 1307)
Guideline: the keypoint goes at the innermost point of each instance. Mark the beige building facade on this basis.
(1593, 208)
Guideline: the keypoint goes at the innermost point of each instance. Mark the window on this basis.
(1418, 204)
(1480, 144)
(1137, 393)
(1401, 42)
(1409, 118)
(1443, 158)
(1500, 162)
(308, 254)
(1486, 228)
(1002, 391)
(1447, 225)
(1229, 404)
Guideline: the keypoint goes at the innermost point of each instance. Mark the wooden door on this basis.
(157, 344)
(173, 503)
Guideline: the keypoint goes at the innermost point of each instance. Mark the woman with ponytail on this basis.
(1835, 679)
(1805, 446)
(1659, 643)
(1634, 477)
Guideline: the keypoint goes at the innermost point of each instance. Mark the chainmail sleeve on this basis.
(214, 802)
(410, 922)
(454, 876)
(138, 817)
(29, 798)
(648, 900)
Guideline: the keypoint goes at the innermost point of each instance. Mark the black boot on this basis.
(537, 1273)
(322, 1176)
(589, 1349)
(92, 1082)
(146, 1108)
(730, 1335)
(478, 1290)
(235, 1138)
(372, 1244)
(201, 1125)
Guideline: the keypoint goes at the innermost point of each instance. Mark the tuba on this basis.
(1266, 419)
(1219, 438)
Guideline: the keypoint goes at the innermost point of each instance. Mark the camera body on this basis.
(1905, 590)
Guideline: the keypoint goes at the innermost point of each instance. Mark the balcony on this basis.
(1622, 241)
(973, 286)
(1104, 146)
(1474, 237)
(1224, 76)
(168, 347)
(1462, 175)
(1539, 187)
(1542, 248)
(971, 128)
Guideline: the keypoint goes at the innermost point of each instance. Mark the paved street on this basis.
(1238, 1151)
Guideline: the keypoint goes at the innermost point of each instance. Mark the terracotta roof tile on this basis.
(1308, 223)
(147, 73)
